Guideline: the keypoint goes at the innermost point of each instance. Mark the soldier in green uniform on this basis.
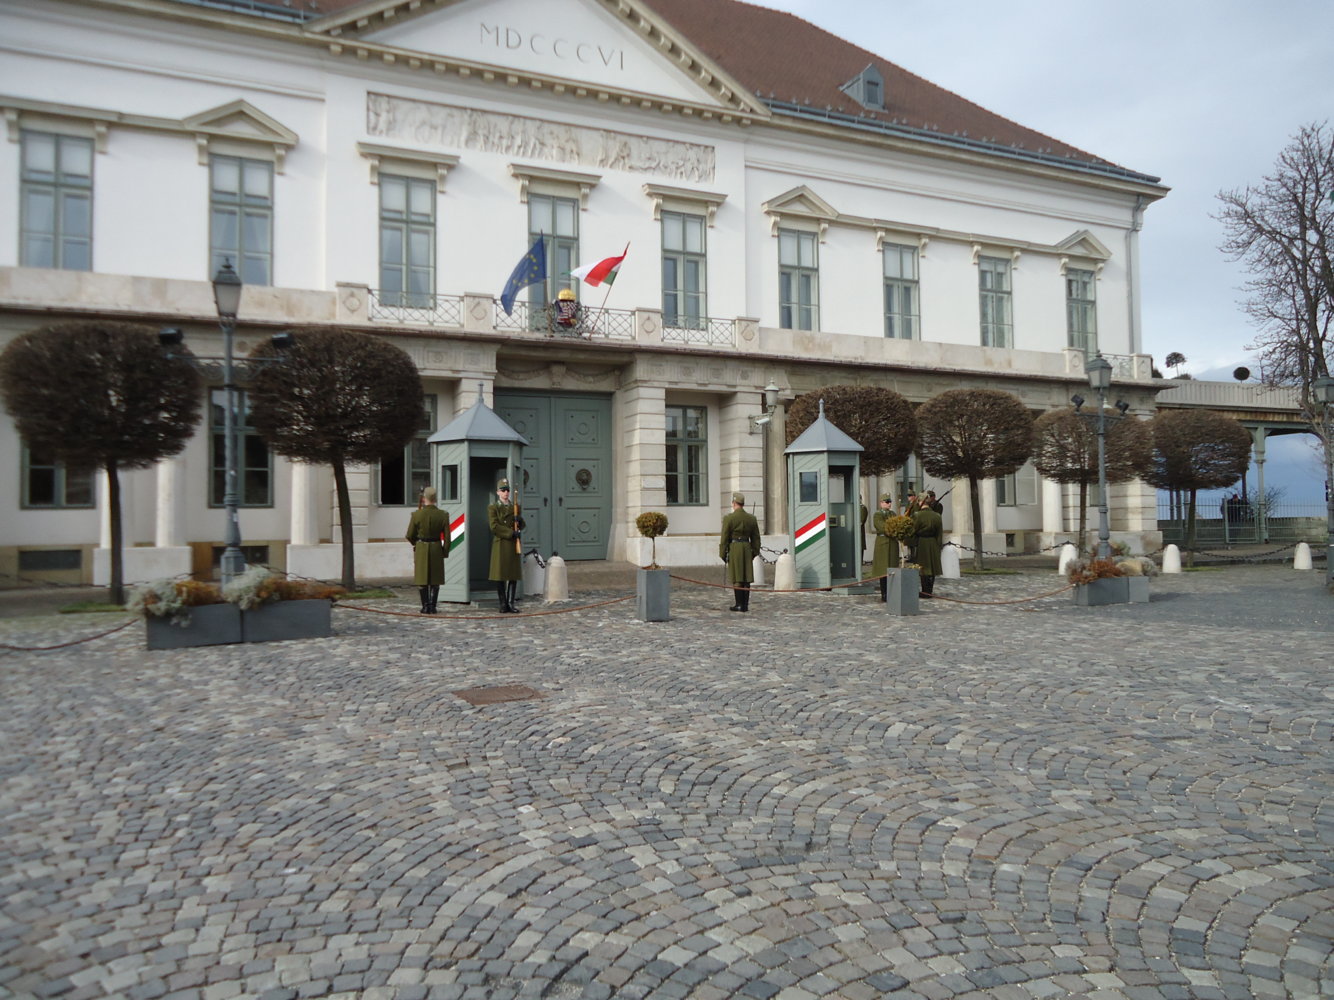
(738, 547)
(886, 546)
(428, 534)
(929, 528)
(506, 563)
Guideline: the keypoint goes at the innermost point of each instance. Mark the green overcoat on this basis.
(886, 556)
(428, 531)
(929, 527)
(506, 563)
(739, 544)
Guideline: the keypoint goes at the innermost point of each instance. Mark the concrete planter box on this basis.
(209, 625)
(219, 624)
(1113, 590)
(287, 620)
(653, 588)
(901, 593)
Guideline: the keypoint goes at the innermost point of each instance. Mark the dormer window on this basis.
(867, 88)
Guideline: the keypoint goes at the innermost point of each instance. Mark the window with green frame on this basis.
(1081, 309)
(901, 298)
(254, 486)
(241, 217)
(556, 219)
(403, 477)
(56, 201)
(47, 483)
(684, 268)
(687, 455)
(407, 241)
(798, 280)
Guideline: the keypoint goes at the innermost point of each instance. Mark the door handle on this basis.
(560, 501)
(544, 501)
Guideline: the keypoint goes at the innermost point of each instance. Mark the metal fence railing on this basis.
(415, 309)
(707, 331)
(1248, 523)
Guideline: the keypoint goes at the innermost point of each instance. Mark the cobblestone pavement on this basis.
(813, 800)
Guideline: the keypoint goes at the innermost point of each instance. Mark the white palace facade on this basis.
(798, 212)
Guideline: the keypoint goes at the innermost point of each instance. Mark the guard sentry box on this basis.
(469, 455)
(823, 472)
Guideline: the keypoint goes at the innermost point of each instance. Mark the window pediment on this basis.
(684, 199)
(239, 122)
(438, 164)
(553, 181)
(800, 205)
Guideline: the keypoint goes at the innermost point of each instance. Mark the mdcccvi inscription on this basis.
(588, 53)
(424, 123)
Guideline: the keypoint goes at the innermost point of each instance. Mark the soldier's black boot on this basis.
(736, 600)
(510, 591)
(745, 599)
(884, 590)
(928, 585)
(501, 606)
(426, 599)
(435, 597)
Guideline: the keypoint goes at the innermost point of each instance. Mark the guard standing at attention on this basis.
(886, 555)
(929, 528)
(428, 534)
(738, 547)
(506, 564)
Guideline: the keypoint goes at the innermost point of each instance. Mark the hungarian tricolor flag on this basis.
(603, 271)
(810, 532)
(456, 531)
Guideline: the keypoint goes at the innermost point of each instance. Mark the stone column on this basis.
(740, 454)
(169, 530)
(1053, 510)
(643, 430)
(987, 498)
(305, 529)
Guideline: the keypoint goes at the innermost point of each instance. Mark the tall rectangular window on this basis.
(994, 288)
(683, 270)
(1018, 489)
(254, 484)
(687, 455)
(407, 241)
(403, 477)
(901, 297)
(557, 219)
(56, 202)
(241, 217)
(48, 483)
(798, 281)
(1081, 312)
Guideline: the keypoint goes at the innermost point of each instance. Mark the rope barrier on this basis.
(1017, 600)
(72, 642)
(768, 590)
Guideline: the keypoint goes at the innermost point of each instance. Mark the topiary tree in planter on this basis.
(651, 524)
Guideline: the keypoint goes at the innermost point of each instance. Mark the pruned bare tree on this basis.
(101, 395)
(338, 397)
(974, 434)
(878, 419)
(1196, 450)
(1282, 229)
(1065, 450)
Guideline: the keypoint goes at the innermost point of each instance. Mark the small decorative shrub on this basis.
(259, 585)
(1120, 548)
(651, 524)
(173, 599)
(901, 527)
(1083, 571)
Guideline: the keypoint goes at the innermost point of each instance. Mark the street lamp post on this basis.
(1323, 391)
(227, 298)
(1099, 371)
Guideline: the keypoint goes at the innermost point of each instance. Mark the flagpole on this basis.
(607, 293)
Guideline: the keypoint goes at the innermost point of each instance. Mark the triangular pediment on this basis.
(240, 120)
(1084, 244)
(619, 47)
(801, 201)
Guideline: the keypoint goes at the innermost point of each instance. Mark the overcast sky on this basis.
(1202, 93)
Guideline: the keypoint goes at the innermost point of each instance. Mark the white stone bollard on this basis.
(1301, 556)
(757, 571)
(534, 575)
(1066, 556)
(949, 562)
(785, 572)
(557, 582)
(1171, 559)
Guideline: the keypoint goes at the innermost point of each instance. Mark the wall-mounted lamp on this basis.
(770, 404)
(1078, 400)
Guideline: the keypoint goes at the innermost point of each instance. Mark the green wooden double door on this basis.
(566, 482)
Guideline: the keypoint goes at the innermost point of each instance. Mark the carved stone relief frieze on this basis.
(425, 123)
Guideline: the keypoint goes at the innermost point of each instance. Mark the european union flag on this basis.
(531, 269)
